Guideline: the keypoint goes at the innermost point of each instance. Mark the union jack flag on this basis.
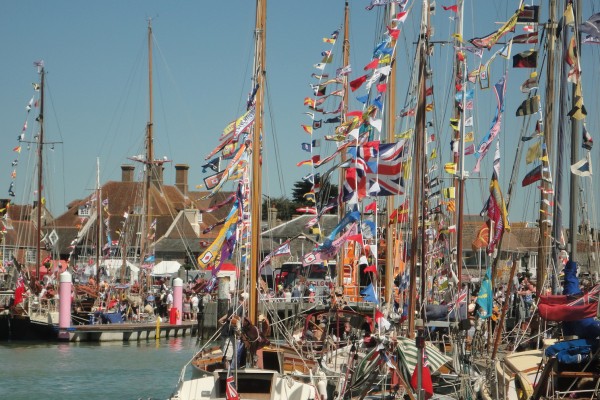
(589, 297)
(458, 299)
(230, 390)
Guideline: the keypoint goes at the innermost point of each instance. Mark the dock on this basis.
(126, 332)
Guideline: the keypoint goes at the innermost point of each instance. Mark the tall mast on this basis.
(418, 200)
(345, 97)
(575, 132)
(544, 242)
(390, 121)
(149, 162)
(98, 221)
(256, 188)
(40, 177)
(459, 181)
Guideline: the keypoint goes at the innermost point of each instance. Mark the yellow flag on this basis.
(469, 137)
(404, 135)
(429, 107)
(450, 193)
(534, 152)
(433, 154)
(450, 168)
(454, 123)
(211, 253)
(406, 168)
(458, 37)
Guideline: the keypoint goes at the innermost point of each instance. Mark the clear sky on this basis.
(95, 55)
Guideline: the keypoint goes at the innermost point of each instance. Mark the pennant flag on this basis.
(307, 128)
(372, 65)
(451, 8)
(527, 59)
(587, 141)
(393, 32)
(369, 295)
(320, 66)
(491, 39)
(334, 120)
(534, 152)
(582, 167)
(532, 176)
(426, 381)
(305, 162)
(526, 38)
(371, 207)
(210, 254)
(381, 320)
(470, 149)
(213, 164)
(529, 106)
(496, 212)
(578, 112)
(355, 84)
(17, 149)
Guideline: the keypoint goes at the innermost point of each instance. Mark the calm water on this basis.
(93, 371)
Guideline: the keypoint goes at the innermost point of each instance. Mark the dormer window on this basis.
(84, 211)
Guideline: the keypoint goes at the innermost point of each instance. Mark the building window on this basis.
(7, 255)
(199, 218)
(84, 211)
(31, 256)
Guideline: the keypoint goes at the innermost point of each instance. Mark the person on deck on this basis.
(526, 291)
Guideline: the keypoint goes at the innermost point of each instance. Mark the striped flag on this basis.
(529, 106)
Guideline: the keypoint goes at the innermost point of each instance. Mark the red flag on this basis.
(355, 84)
(382, 87)
(356, 113)
(393, 32)
(19, 293)
(230, 391)
(451, 8)
(371, 268)
(401, 16)
(356, 238)
(372, 65)
(426, 382)
(371, 207)
(429, 91)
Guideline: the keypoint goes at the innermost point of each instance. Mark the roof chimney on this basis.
(181, 177)
(127, 172)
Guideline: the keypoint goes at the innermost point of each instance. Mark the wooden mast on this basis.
(149, 162)
(256, 188)
(575, 132)
(98, 221)
(40, 177)
(548, 118)
(459, 158)
(390, 123)
(418, 201)
(345, 97)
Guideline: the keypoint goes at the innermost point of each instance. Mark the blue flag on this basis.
(485, 298)
(368, 294)
(306, 147)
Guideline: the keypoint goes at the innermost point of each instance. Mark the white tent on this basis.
(166, 268)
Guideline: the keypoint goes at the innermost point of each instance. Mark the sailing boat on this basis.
(232, 382)
(33, 316)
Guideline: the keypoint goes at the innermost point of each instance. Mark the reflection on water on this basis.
(112, 370)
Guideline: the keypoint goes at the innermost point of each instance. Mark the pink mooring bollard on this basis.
(178, 298)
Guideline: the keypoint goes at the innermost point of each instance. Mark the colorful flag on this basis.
(526, 38)
(451, 8)
(450, 168)
(17, 149)
(381, 320)
(527, 59)
(532, 176)
(230, 391)
(372, 65)
(582, 167)
(530, 83)
(587, 141)
(529, 14)
(307, 128)
(534, 152)
(529, 106)
(355, 84)
(485, 297)
(491, 39)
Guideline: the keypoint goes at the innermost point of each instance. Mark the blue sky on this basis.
(95, 55)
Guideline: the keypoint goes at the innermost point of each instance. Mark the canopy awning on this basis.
(166, 268)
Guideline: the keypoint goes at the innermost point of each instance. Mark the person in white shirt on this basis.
(169, 300)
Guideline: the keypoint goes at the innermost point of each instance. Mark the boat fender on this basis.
(322, 388)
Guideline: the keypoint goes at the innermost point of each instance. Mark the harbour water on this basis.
(69, 371)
